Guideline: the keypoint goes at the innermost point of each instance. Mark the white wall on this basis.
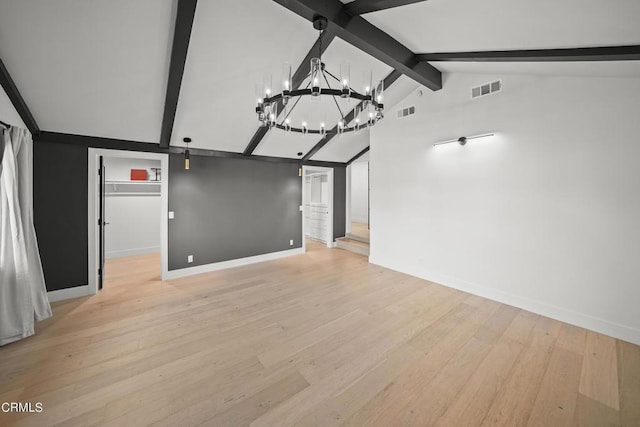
(360, 192)
(134, 221)
(544, 216)
(8, 114)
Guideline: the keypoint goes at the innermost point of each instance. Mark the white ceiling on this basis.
(471, 25)
(90, 67)
(100, 68)
(234, 45)
(342, 148)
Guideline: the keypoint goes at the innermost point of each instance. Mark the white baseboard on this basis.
(361, 220)
(190, 271)
(582, 320)
(62, 294)
(131, 252)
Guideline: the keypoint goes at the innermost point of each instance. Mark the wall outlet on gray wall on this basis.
(291, 242)
(171, 215)
(189, 258)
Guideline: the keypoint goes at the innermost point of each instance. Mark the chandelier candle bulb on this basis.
(287, 83)
(345, 72)
(267, 84)
(316, 73)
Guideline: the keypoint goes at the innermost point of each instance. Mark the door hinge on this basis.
(99, 272)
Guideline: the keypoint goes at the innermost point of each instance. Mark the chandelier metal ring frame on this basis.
(267, 108)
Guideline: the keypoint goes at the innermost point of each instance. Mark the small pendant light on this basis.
(186, 153)
(300, 164)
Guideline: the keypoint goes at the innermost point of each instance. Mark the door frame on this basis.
(93, 203)
(329, 171)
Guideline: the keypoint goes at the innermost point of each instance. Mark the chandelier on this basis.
(318, 84)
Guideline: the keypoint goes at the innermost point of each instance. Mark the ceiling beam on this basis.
(360, 154)
(298, 77)
(607, 53)
(365, 36)
(11, 89)
(181, 35)
(129, 145)
(388, 81)
(359, 7)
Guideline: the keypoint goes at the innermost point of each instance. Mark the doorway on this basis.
(317, 202)
(128, 203)
(358, 220)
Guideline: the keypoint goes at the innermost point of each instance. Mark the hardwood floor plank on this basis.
(474, 399)
(299, 343)
(335, 410)
(629, 382)
(572, 338)
(599, 378)
(251, 408)
(557, 398)
(591, 413)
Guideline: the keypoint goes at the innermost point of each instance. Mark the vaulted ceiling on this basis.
(100, 68)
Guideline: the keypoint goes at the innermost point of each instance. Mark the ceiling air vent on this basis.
(486, 89)
(404, 112)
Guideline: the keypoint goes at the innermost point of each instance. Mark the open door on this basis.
(101, 221)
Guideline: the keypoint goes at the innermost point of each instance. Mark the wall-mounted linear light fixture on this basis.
(463, 139)
(186, 154)
(300, 164)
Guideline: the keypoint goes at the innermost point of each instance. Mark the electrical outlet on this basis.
(291, 242)
(171, 215)
(190, 258)
(301, 208)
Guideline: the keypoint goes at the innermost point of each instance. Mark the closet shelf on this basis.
(118, 194)
(132, 182)
(132, 188)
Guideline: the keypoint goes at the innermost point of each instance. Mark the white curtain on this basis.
(23, 295)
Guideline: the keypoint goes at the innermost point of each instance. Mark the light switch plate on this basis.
(291, 242)
(190, 258)
(171, 215)
(301, 208)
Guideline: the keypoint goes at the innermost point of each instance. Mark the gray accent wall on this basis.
(227, 209)
(256, 201)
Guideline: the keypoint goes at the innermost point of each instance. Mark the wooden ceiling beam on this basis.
(18, 102)
(605, 53)
(181, 36)
(359, 7)
(365, 36)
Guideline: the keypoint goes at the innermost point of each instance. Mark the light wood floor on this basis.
(322, 338)
(360, 229)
